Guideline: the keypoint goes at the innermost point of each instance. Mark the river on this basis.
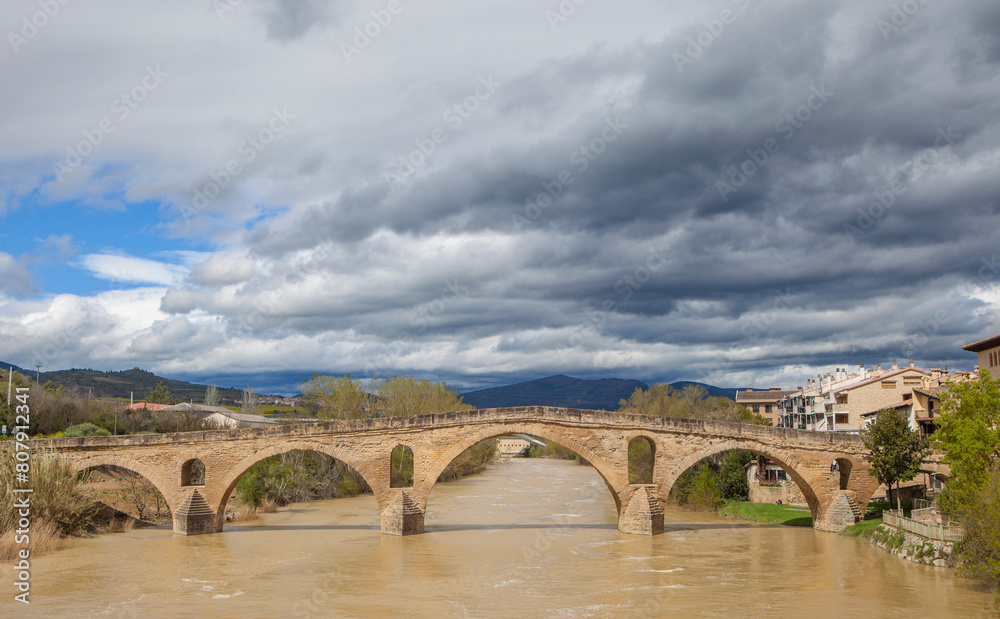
(531, 538)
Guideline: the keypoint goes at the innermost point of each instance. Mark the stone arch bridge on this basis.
(834, 498)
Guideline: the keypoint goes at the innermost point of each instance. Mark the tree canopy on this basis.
(160, 395)
(692, 402)
(343, 397)
(897, 451)
(969, 433)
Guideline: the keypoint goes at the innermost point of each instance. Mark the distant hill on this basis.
(560, 390)
(123, 384)
(565, 391)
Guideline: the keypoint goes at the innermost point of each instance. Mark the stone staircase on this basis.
(843, 511)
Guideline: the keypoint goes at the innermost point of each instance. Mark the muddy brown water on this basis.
(533, 538)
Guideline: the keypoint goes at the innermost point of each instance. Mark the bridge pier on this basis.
(402, 515)
(640, 513)
(195, 516)
(840, 511)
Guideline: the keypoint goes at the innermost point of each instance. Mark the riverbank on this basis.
(788, 515)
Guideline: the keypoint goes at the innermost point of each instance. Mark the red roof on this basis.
(147, 405)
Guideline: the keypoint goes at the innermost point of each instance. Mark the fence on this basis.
(940, 532)
(922, 503)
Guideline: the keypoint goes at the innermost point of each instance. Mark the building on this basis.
(989, 354)
(836, 402)
(150, 406)
(223, 418)
(763, 402)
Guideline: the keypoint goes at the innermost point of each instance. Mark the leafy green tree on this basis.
(160, 395)
(692, 402)
(969, 433)
(338, 397)
(896, 450)
(733, 475)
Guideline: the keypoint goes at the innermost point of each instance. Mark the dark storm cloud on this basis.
(290, 19)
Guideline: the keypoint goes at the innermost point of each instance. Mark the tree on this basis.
(402, 396)
(339, 397)
(212, 396)
(692, 402)
(160, 395)
(896, 450)
(251, 402)
(733, 475)
(969, 433)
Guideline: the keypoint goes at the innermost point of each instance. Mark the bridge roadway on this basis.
(601, 437)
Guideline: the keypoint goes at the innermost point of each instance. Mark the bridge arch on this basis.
(799, 472)
(153, 475)
(615, 480)
(236, 472)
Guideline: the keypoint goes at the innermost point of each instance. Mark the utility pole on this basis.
(38, 373)
(10, 377)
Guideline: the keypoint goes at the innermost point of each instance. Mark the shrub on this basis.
(85, 429)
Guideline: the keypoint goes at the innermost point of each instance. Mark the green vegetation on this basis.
(767, 512)
(555, 451)
(865, 528)
(969, 433)
(342, 397)
(85, 429)
(692, 402)
(160, 395)
(57, 506)
(298, 476)
(896, 451)
(123, 385)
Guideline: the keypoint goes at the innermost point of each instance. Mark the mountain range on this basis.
(559, 390)
(125, 384)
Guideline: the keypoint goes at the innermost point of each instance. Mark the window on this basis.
(756, 408)
(888, 384)
(767, 408)
(912, 382)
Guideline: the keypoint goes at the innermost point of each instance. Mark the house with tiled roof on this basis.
(763, 402)
(989, 354)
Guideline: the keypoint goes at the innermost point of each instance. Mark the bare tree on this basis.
(212, 396)
(251, 401)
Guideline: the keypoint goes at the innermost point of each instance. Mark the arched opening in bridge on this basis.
(544, 490)
(641, 460)
(742, 475)
(193, 473)
(125, 491)
(291, 476)
(401, 467)
(841, 467)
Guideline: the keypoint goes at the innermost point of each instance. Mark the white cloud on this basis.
(133, 270)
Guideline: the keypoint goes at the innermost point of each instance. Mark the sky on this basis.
(737, 192)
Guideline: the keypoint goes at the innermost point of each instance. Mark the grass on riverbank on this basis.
(768, 512)
(865, 528)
